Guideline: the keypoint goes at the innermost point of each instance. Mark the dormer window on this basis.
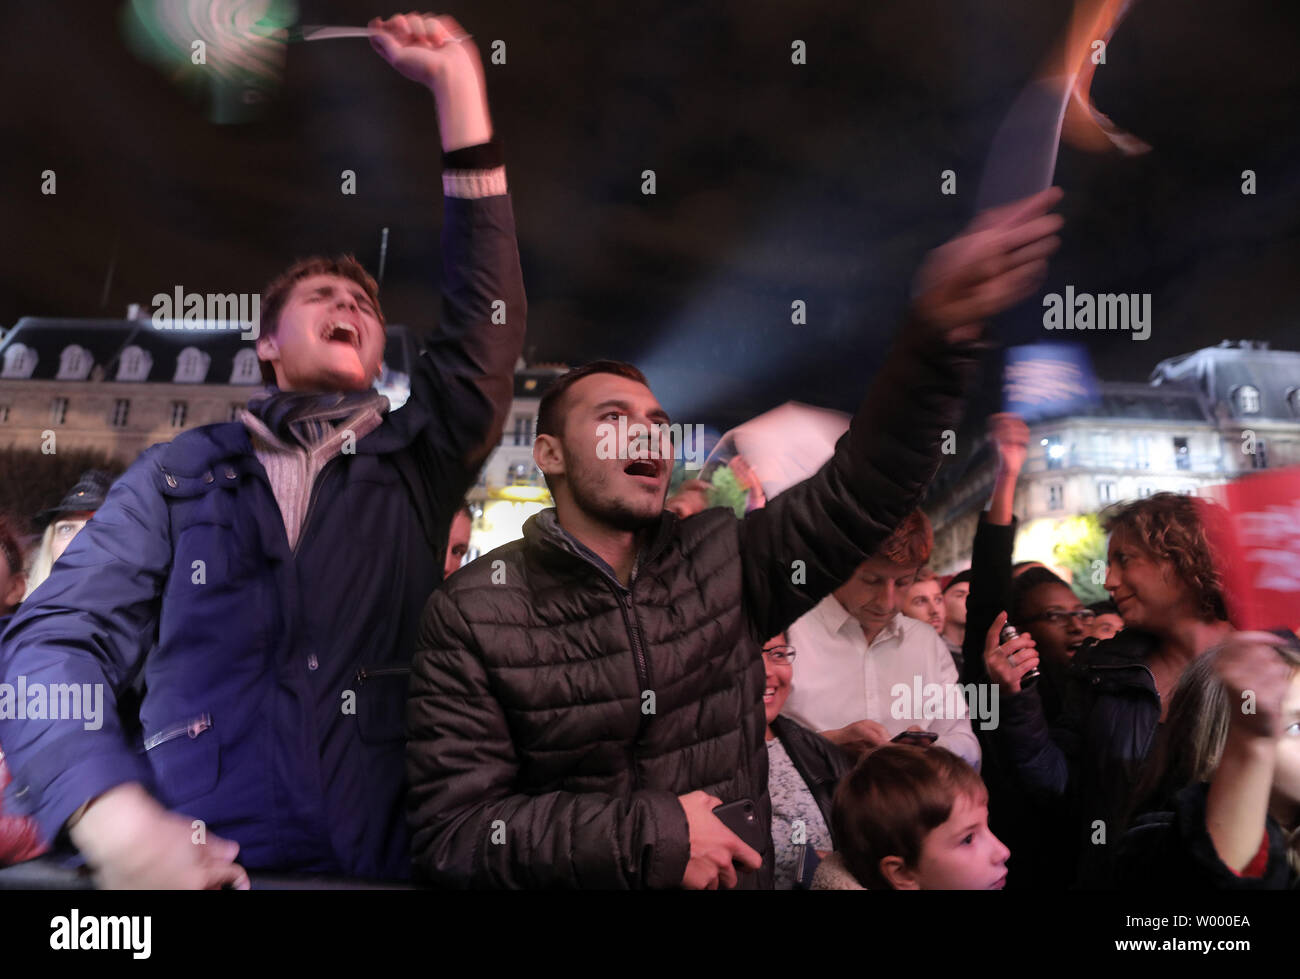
(74, 363)
(1246, 397)
(191, 366)
(20, 361)
(134, 364)
(247, 369)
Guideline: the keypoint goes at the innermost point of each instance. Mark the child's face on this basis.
(961, 854)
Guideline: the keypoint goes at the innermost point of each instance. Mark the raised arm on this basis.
(808, 540)
(995, 538)
(1236, 809)
(462, 382)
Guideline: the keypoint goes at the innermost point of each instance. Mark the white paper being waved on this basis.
(771, 452)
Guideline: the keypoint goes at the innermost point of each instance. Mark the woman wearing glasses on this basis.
(803, 769)
(1163, 577)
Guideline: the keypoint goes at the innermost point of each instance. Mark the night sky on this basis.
(775, 181)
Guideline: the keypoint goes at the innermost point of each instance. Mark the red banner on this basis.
(1258, 540)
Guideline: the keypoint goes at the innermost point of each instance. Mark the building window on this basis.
(247, 369)
(1055, 496)
(1142, 452)
(121, 411)
(1144, 492)
(191, 366)
(20, 361)
(4, 414)
(74, 363)
(1293, 401)
(524, 429)
(1247, 398)
(1259, 458)
(1182, 455)
(1054, 451)
(134, 364)
(178, 414)
(1106, 491)
(58, 411)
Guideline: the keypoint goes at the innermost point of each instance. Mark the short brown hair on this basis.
(550, 413)
(911, 542)
(278, 290)
(891, 800)
(1169, 527)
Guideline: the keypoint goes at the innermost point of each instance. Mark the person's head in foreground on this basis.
(604, 448)
(65, 521)
(458, 540)
(1161, 572)
(916, 819)
(1044, 606)
(321, 327)
(1107, 619)
(923, 600)
(874, 593)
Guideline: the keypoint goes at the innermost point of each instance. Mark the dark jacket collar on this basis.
(543, 530)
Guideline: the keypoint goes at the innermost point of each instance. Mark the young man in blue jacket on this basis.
(262, 580)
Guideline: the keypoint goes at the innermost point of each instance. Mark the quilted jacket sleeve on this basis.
(808, 540)
(472, 829)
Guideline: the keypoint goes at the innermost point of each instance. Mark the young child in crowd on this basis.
(912, 818)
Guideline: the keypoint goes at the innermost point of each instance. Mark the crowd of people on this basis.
(292, 656)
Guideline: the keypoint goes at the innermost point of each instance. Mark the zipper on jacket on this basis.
(311, 500)
(364, 674)
(193, 728)
(633, 626)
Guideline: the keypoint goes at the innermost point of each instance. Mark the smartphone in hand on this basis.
(919, 738)
(741, 817)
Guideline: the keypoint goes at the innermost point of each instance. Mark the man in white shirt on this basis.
(867, 673)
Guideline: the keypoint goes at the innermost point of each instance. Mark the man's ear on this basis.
(899, 877)
(267, 348)
(549, 455)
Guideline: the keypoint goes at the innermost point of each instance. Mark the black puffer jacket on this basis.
(1091, 758)
(555, 716)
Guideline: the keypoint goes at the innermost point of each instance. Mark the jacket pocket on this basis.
(185, 758)
(381, 703)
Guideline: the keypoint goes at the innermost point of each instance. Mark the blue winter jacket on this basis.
(274, 680)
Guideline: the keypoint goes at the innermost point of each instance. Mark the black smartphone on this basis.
(921, 738)
(741, 817)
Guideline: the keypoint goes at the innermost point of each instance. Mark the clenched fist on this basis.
(439, 54)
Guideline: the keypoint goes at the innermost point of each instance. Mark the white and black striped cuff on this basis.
(473, 184)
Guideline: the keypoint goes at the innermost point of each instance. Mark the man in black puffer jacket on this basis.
(584, 697)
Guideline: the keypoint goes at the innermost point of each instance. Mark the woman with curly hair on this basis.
(1162, 575)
